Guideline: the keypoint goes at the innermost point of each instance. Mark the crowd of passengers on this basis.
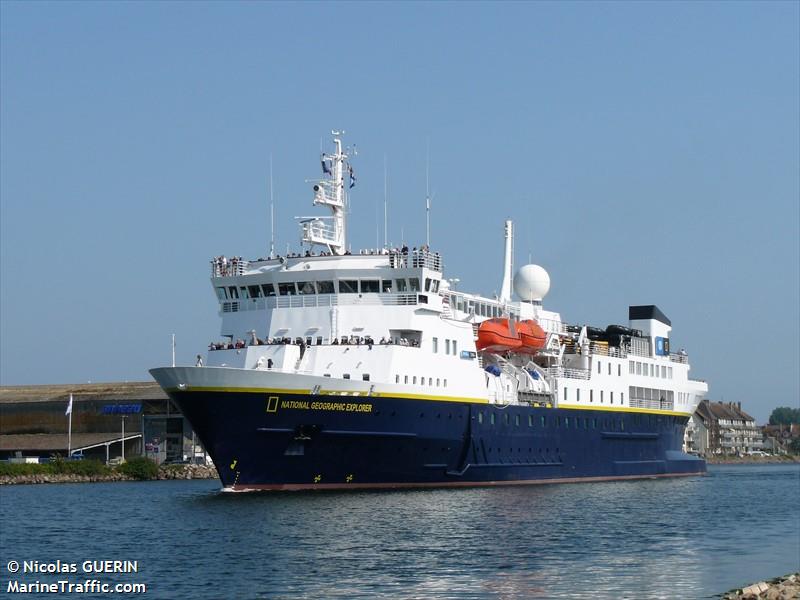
(353, 340)
(230, 266)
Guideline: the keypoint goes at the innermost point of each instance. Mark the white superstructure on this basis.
(386, 322)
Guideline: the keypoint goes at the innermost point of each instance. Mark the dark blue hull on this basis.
(286, 441)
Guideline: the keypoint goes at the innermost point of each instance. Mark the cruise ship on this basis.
(341, 369)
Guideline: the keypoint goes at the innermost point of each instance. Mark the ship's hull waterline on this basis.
(278, 440)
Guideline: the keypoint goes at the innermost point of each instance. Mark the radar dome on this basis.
(531, 283)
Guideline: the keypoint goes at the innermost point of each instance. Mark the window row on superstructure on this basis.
(601, 396)
(340, 286)
(412, 380)
(649, 369)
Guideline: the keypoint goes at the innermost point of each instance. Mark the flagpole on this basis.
(69, 429)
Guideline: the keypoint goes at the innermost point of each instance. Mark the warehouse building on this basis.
(108, 421)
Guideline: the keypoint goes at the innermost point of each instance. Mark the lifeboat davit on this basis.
(495, 335)
(532, 336)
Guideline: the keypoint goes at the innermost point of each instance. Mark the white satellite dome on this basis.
(531, 283)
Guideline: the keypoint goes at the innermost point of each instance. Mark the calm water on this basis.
(683, 538)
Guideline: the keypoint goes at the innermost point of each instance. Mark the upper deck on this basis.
(222, 266)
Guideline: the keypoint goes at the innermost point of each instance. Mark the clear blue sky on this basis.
(648, 153)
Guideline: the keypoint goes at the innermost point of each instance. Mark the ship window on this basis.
(268, 289)
(327, 375)
(233, 293)
(369, 286)
(491, 418)
(544, 421)
(612, 397)
(622, 397)
(507, 418)
(325, 287)
(594, 423)
(286, 289)
(437, 382)
(405, 380)
(397, 378)
(663, 372)
(651, 370)
(346, 376)
(365, 377)
(413, 284)
(585, 423)
(558, 422)
(565, 394)
(386, 286)
(480, 417)
(638, 368)
(631, 367)
(221, 293)
(619, 370)
(435, 345)
(447, 346)
(305, 287)
(609, 368)
(455, 348)
(243, 291)
(578, 395)
(401, 285)
(669, 372)
(530, 420)
(591, 395)
(430, 381)
(319, 340)
(415, 380)
(435, 286)
(348, 286)
(598, 367)
(445, 383)
(601, 396)
(254, 290)
(566, 422)
(427, 284)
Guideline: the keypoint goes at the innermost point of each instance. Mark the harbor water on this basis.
(690, 537)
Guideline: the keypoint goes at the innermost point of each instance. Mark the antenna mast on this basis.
(428, 194)
(271, 212)
(385, 204)
(330, 191)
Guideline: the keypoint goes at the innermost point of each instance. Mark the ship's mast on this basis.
(330, 191)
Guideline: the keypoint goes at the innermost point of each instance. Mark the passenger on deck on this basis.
(199, 362)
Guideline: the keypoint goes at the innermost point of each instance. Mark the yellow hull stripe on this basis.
(625, 409)
(336, 393)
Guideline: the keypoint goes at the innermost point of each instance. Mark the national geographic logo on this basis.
(355, 407)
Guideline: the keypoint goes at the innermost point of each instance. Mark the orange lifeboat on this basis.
(495, 335)
(532, 336)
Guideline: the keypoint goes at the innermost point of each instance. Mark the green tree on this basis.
(784, 416)
(794, 447)
(139, 468)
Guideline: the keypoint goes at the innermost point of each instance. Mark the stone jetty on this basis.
(782, 588)
(164, 473)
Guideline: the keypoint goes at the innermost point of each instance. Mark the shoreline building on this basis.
(723, 428)
(34, 423)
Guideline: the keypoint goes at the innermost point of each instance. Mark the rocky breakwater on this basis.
(166, 472)
(782, 588)
(187, 472)
(62, 478)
